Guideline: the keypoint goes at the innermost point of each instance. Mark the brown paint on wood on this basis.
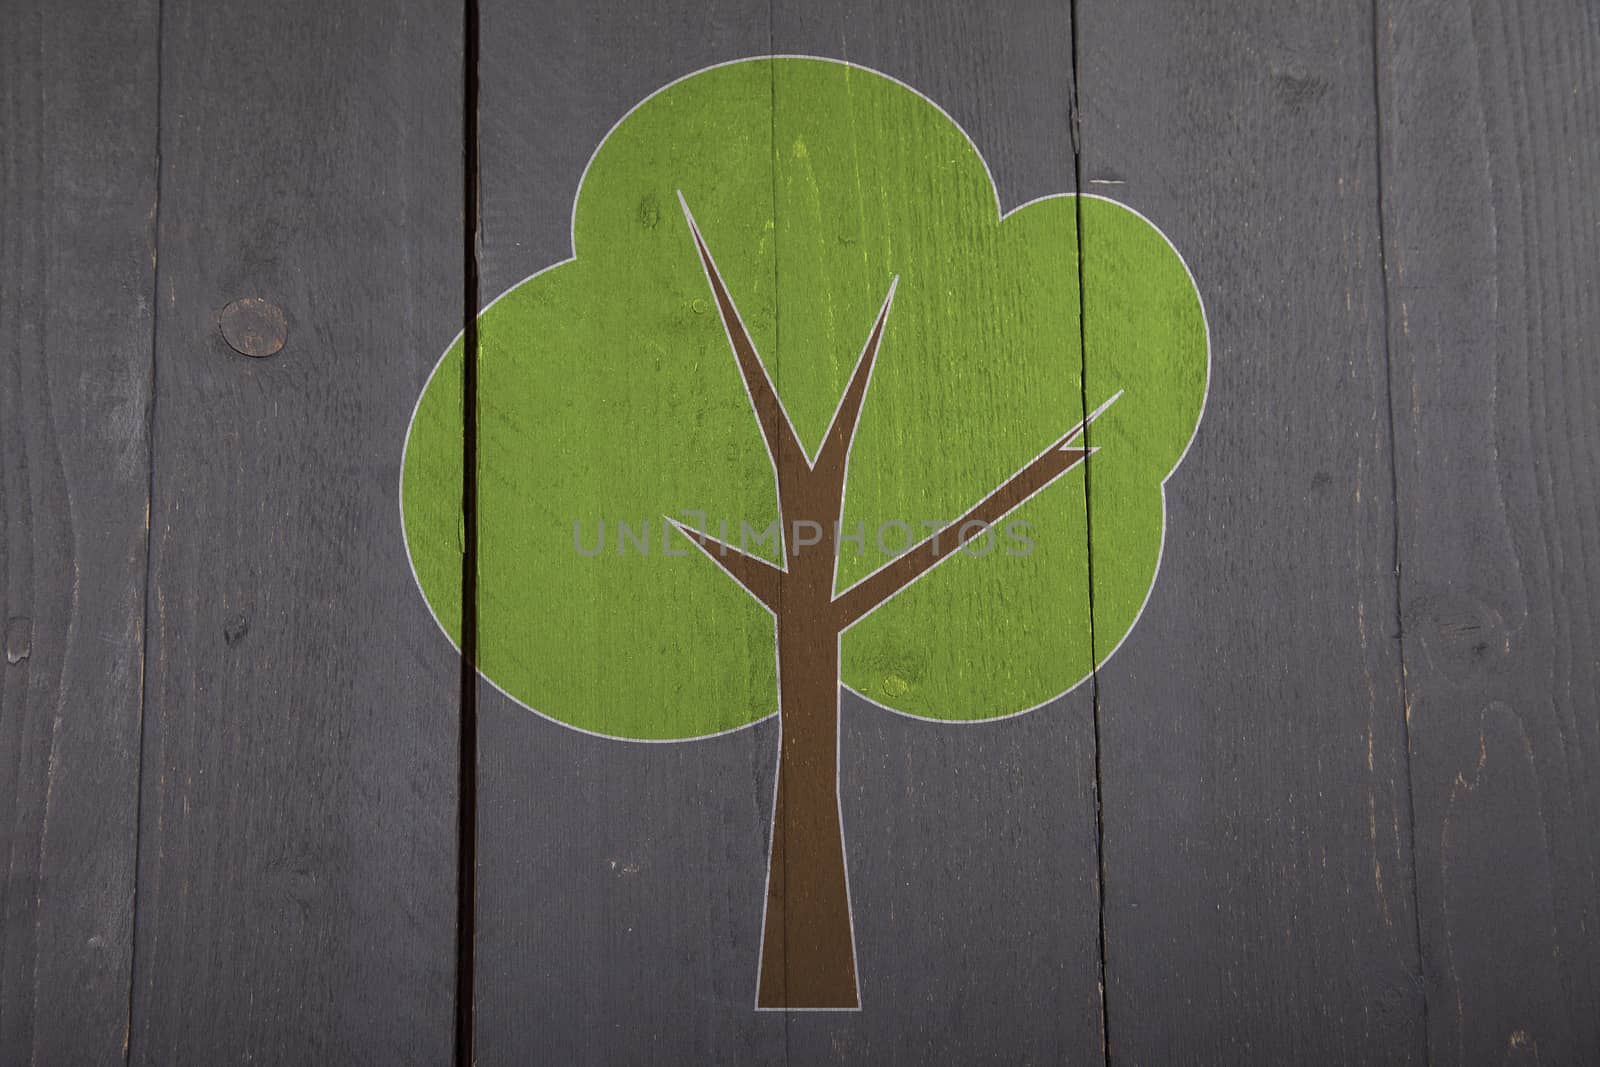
(808, 949)
(807, 943)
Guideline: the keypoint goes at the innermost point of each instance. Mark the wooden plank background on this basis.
(77, 270)
(296, 887)
(1491, 201)
(1348, 764)
(1258, 874)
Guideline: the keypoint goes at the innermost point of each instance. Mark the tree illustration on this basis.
(806, 411)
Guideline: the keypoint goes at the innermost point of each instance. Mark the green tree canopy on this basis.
(607, 394)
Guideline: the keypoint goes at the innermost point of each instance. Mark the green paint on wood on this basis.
(608, 395)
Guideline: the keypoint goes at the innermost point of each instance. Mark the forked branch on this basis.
(836, 442)
(928, 553)
(775, 425)
(815, 488)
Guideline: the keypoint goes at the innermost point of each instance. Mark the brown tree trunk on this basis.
(808, 955)
(807, 945)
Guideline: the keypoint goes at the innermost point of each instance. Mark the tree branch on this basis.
(775, 424)
(842, 430)
(883, 583)
(758, 577)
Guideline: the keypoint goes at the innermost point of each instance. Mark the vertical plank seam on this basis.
(1074, 119)
(1394, 497)
(467, 739)
(145, 672)
(777, 352)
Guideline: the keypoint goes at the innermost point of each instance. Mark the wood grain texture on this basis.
(1492, 231)
(1258, 871)
(297, 861)
(603, 935)
(1393, 216)
(77, 185)
(620, 884)
(972, 846)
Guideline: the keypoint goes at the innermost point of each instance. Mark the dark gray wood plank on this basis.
(1492, 231)
(620, 884)
(973, 847)
(1258, 863)
(297, 861)
(77, 185)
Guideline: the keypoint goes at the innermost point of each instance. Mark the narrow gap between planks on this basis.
(777, 351)
(146, 674)
(1394, 499)
(467, 741)
(1074, 118)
